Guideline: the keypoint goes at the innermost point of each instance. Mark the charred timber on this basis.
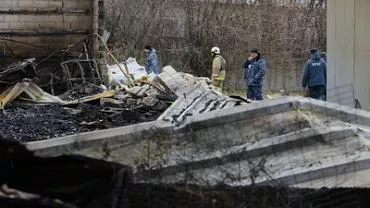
(46, 33)
(45, 11)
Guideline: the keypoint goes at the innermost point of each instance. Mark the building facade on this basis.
(39, 28)
(349, 52)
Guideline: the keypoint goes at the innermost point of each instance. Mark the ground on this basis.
(30, 122)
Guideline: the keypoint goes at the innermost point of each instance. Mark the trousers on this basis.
(317, 92)
(254, 92)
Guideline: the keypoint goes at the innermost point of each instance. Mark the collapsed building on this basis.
(44, 27)
(198, 145)
(213, 150)
(62, 39)
(54, 53)
(304, 152)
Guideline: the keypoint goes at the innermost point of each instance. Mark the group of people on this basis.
(254, 70)
(314, 73)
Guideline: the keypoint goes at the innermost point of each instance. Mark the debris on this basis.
(141, 101)
(34, 93)
(83, 90)
(138, 90)
(121, 96)
(118, 78)
(7, 192)
(30, 122)
(81, 71)
(124, 70)
(18, 71)
(149, 101)
(109, 102)
(72, 111)
(195, 96)
(73, 179)
(128, 115)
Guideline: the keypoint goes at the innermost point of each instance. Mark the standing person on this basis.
(254, 72)
(151, 60)
(314, 76)
(218, 68)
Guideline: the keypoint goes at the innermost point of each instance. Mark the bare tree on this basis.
(183, 31)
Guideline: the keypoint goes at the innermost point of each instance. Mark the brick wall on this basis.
(36, 28)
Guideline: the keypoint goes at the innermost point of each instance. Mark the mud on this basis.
(26, 122)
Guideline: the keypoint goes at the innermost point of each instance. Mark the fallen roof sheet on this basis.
(195, 96)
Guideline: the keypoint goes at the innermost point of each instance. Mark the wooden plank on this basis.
(44, 11)
(44, 33)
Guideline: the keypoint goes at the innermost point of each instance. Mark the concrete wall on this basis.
(301, 141)
(39, 27)
(349, 52)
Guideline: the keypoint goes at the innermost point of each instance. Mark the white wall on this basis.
(349, 52)
(362, 52)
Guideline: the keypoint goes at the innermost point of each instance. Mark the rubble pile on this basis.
(25, 122)
(90, 105)
(29, 113)
(86, 89)
(28, 122)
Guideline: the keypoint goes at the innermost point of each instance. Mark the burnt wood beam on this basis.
(44, 11)
(45, 33)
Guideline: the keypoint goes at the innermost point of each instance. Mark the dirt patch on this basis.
(26, 122)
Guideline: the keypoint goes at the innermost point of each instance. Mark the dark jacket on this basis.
(314, 73)
(254, 71)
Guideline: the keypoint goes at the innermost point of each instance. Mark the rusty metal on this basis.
(68, 68)
(17, 67)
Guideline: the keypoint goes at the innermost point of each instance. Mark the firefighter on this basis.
(218, 68)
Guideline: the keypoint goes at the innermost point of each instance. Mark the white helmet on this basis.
(216, 50)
